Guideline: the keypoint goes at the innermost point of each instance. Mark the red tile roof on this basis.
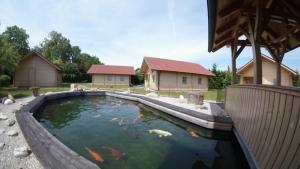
(111, 69)
(176, 66)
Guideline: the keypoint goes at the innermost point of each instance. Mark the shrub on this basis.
(4, 80)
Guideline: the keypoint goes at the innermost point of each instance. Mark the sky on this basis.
(122, 32)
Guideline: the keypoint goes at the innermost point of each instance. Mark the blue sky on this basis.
(121, 32)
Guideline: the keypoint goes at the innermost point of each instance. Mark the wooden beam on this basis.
(239, 51)
(229, 9)
(224, 37)
(228, 26)
(233, 60)
(254, 37)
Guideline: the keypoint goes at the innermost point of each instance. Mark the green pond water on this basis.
(86, 121)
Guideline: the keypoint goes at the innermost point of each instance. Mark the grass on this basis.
(216, 95)
(23, 92)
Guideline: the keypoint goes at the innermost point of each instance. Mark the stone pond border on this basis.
(54, 154)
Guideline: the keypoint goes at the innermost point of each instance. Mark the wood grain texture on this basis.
(268, 119)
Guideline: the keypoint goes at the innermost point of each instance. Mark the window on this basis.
(109, 78)
(184, 80)
(121, 78)
(199, 80)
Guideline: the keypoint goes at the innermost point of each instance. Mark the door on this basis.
(31, 77)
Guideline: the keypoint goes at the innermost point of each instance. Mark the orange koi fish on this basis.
(115, 153)
(95, 155)
(193, 132)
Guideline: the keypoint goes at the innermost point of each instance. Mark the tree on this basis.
(8, 57)
(296, 81)
(17, 38)
(138, 78)
(57, 47)
(221, 78)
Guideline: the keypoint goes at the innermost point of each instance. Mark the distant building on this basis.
(165, 74)
(35, 70)
(110, 75)
(268, 73)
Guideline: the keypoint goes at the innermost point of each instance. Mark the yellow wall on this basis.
(100, 79)
(35, 71)
(173, 81)
(269, 74)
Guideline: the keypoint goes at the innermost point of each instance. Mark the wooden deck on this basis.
(267, 118)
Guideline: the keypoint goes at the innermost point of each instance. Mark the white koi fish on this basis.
(114, 119)
(96, 116)
(160, 133)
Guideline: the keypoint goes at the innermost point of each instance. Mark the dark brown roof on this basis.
(111, 69)
(175, 66)
(228, 19)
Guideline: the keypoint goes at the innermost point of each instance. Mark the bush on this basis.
(4, 80)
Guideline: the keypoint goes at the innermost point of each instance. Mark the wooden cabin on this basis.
(166, 74)
(35, 70)
(268, 73)
(111, 75)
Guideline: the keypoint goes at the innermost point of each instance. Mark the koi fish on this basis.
(95, 155)
(115, 153)
(96, 116)
(160, 133)
(114, 119)
(193, 132)
(137, 118)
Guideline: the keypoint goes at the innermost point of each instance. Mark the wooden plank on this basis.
(283, 131)
(292, 124)
(296, 137)
(263, 122)
(276, 130)
(252, 118)
(249, 112)
(267, 129)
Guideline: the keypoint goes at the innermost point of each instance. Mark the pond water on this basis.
(121, 134)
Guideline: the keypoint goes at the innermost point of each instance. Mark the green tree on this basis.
(17, 38)
(221, 78)
(138, 78)
(297, 80)
(57, 47)
(8, 57)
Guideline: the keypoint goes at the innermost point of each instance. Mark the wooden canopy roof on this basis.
(279, 26)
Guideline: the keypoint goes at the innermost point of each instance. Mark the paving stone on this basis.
(21, 152)
(12, 133)
(11, 122)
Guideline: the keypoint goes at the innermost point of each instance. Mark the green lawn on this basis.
(23, 92)
(217, 95)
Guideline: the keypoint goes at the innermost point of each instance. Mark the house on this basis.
(35, 70)
(165, 74)
(111, 75)
(268, 73)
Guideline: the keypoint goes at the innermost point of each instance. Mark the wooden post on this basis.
(278, 73)
(254, 37)
(233, 63)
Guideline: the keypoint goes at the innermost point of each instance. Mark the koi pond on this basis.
(117, 133)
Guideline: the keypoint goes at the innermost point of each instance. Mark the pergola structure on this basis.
(272, 24)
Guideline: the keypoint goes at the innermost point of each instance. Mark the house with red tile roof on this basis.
(268, 72)
(111, 75)
(165, 74)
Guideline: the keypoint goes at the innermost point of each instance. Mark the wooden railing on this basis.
(267, 119)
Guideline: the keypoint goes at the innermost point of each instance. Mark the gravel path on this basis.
(7, 157)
